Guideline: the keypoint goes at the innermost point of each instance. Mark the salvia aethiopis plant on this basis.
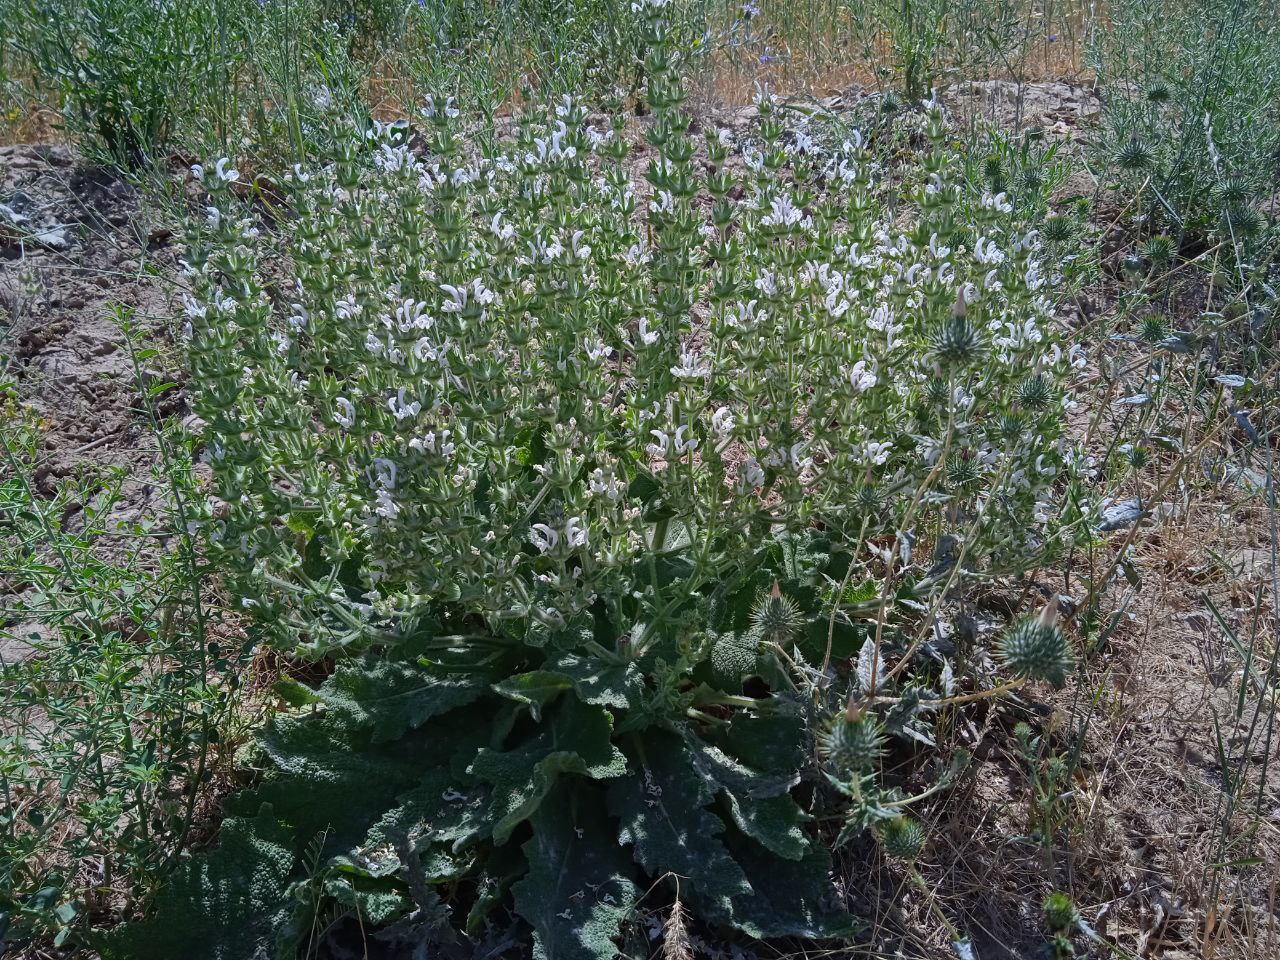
(594, 487)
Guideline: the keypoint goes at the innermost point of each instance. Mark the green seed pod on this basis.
(902, 838)
(852, 745)
(1037, 648)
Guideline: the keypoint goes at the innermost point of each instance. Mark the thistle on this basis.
(776, 618)
(1060, 914)
(1159, 250)
(1037, 648)
(1034, 393)
(902, 838)
(1058, 229)
(959, 343)
(854, 744)
(1133, 156)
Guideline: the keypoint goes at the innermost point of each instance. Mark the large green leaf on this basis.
(227, 905)
(389, 697)
(576, 740)
(534, 689)
(579, 888)
(790, 898)
(330, 778)
(759, 804)
(663, 817)
(609, 685)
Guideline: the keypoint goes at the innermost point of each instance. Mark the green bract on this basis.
(588, 482)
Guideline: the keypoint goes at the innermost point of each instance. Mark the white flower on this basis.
(543, 537)
(346, 412)
(400, 409)
(575, 532)
(691, 366)
(873, 452)
(784, 213)
(861, 377)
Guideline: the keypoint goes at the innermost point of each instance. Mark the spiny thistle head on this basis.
(962, 470)
(959, 343)
(1011, 427)
(1159, 250)
(1133, 155)
(776, 618)
(902, 838)
(1158, 92)
(993, 171)
(1034, 393)
(1234, 193)
(1037, 648)
(1154, 328)
(1244, 221)
(1031, 180)
(852, 744)
(867, 498)
(936, 392)
(1060, 914)
(1058, 229)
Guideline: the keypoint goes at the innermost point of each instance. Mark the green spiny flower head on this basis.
(902, 838)
(776, 618)
(936, 392)
(1034, 393)
(1158, 92)
(1154, 328)
(1159, 250)
(1060, 914)
(962, 470)
(1037, 648)
(1058, 229)
(1234, 193)
(852, 744)
(1011, 427)
(1133, 155)
(959, 343)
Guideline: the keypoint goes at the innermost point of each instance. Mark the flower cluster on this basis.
(511, 380)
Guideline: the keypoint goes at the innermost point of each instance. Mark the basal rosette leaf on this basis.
(579, 887)
(575, 740)
(226, 905)
(663, 817)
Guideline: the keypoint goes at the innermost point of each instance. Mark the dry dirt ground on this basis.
(1144, 851)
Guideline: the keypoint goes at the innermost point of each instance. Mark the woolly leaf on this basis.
(223, 906)
(773, 743)
(389, 697)
(790, 898)
(577, 740)
(328, 778)
(607, 685)
(758, 804)
(579, 888)
(534, 689)
(663, 817)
